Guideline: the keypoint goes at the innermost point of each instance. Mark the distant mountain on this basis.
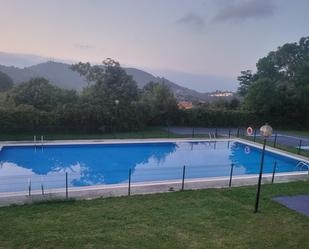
(61, 75)
(22, 67)
(20, 60)
(58, 74)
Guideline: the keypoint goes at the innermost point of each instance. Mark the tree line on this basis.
(278, 92)
(110, 102)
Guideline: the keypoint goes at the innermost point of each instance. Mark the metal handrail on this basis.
(302, 164)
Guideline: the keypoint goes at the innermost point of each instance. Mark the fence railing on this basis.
(66, 181)
(292, 144)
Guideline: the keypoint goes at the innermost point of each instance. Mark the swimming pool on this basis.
(100, 164)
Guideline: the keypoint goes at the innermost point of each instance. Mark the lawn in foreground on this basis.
(214, 218)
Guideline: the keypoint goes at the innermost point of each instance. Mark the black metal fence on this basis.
(64, 182)
(293, 144)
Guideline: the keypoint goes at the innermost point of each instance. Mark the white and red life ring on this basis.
(249, 131)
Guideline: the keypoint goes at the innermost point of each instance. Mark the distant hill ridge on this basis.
(61, 75)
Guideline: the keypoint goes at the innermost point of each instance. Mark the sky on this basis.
(193, 42)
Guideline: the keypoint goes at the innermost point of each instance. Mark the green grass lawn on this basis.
(214, 218)
(297, 133)
(148, 133)
(151, 132)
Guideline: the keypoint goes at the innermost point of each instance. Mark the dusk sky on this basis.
(172, 38)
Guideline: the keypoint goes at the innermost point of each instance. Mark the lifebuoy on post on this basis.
(249, 131)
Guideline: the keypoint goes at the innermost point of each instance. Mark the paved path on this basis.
(299, 203)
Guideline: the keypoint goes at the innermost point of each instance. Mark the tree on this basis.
(160, 103)
(279, 90)
(111, 91)
(39, 93)
(245, 81)
(6, 83)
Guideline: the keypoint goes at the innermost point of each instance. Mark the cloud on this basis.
(83, 46)
(192, 20)
(244, 9)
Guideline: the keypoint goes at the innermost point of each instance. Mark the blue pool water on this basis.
(92, 164)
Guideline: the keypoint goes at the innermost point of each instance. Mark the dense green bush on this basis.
(203, 117)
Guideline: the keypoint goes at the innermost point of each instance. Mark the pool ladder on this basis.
(212, 135)
(35, 140)
(302, 165)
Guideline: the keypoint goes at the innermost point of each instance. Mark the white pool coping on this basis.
(158, 140)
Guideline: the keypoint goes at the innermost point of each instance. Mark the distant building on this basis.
(185, 105)
(221, 94)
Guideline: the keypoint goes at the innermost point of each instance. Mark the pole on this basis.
(42, 186)
(129, 187)
(231, 174)
(192, 132)
(168, 131)
(275, 141)
(260, 179)
(299, 146)
(216, 132)
(183, 177)
(238, 132)
(29, 187)
(274, 171)
(66, 186)
(229, 132)
(254, 138)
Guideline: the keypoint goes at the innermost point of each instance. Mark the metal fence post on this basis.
(238, 132)
(66, 186)
(29, 186)
(168, 131)
(129, 185)
(229, 132)
(42, 186)
(254, 138)
(192, 132)
(231, 174)
(183, 177)
(274, 171)
(216, 132)
(299, 147)
(275, 141)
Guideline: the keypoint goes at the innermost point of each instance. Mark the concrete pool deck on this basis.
(97, 191)
(299, 203)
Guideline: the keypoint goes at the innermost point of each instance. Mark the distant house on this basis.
(185, 105)
(221, 94)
